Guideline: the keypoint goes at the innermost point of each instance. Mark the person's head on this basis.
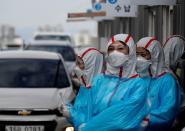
(150, 57)
(89, 62)
(118, 46)
(142, 52)
(143, 61)
(80, 63)
(174, 48)
(121, 56)
(117, 54)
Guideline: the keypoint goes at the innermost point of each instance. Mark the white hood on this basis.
(157, 55)
(129, 70)
(20, 98)
(93, 60)
(173, 50)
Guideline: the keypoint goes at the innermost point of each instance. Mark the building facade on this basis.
(9, 39)
(158, 21)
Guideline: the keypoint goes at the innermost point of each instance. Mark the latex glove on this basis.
(63, 107)
(66, 113)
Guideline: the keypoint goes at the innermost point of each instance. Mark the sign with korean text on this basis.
(120, 8)
(153, 2)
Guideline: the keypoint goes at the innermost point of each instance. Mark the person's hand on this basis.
(76, 83)
(66, 113)
(63, 108)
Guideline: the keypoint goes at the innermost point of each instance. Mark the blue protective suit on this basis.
(113, 104)
(79, 112)
(164, 95)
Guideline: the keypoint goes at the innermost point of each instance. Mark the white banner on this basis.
(120, 8)
(100, 7)
(116, 8)
(153, 2)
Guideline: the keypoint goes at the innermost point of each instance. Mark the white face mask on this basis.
(78, 72)
(142, 65)
(117, 59)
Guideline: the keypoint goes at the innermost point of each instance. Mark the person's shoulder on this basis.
(167, 79)
(140, 81)
(98, 77)
(167, 76)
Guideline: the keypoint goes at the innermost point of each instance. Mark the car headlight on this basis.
(69, 129)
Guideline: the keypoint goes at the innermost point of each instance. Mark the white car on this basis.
(34, 86)
(53, 36)
(62, 48)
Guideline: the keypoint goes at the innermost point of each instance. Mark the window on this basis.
(53, 37)
(32, 73)
(66, 51)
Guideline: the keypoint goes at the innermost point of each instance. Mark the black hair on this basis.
(122, 42)
(124, 45)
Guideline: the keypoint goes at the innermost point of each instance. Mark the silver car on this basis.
(53, 36)
(34, 86)
(63, 48)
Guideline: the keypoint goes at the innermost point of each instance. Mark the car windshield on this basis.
(66, 51)
(32, 73)
(53, 37)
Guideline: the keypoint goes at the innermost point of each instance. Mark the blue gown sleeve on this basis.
(80, 112)
(126, 115)
(169, 102)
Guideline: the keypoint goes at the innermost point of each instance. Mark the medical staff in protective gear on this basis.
(174, 48)
(89, 63)
(118, 97)
(163, 92)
